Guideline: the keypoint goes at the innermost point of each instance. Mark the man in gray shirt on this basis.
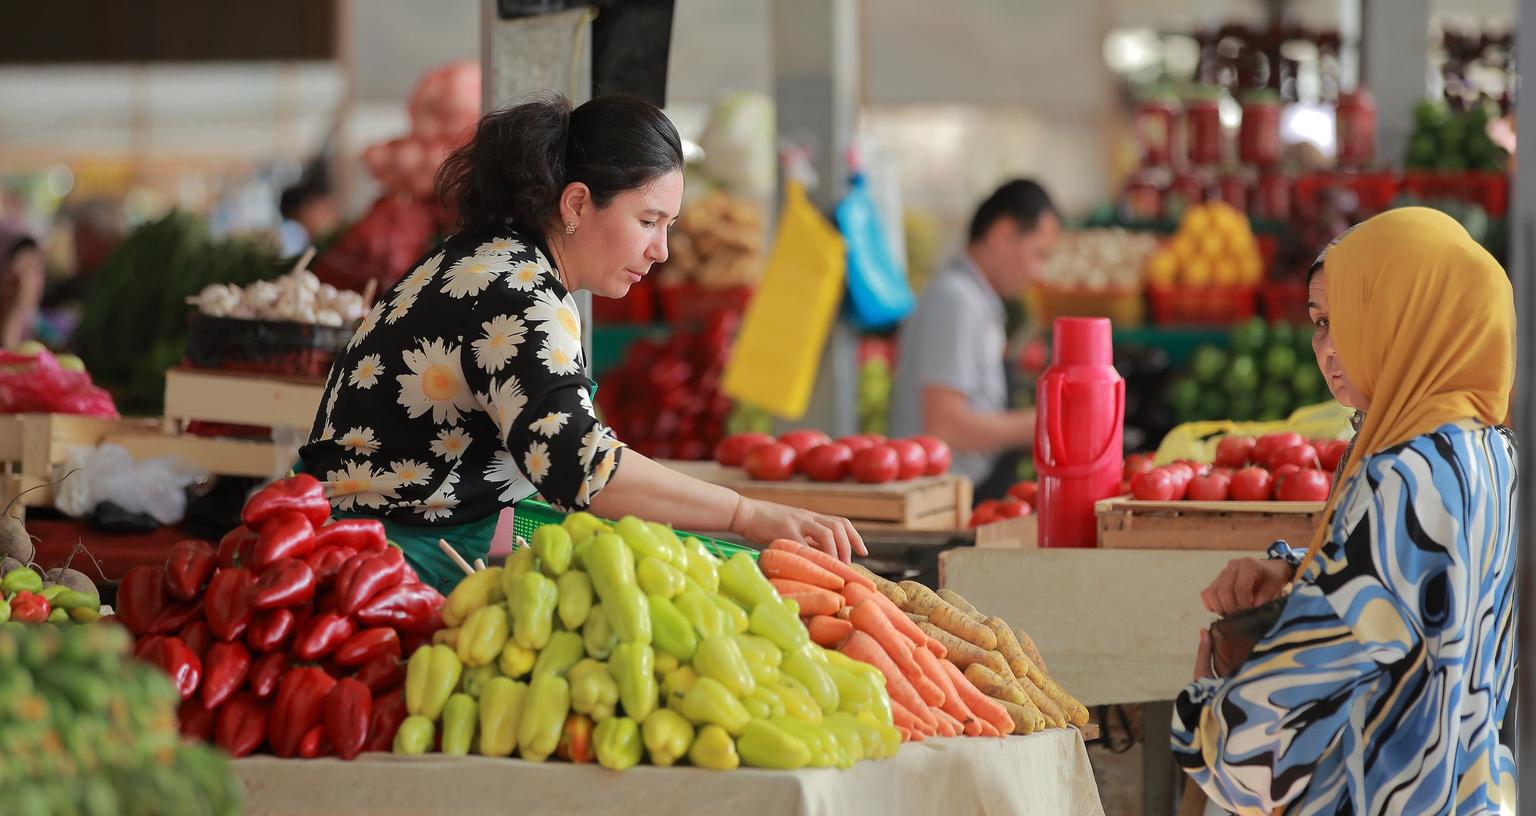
(951, 378)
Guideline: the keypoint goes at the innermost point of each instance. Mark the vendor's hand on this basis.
(1203, 656)
(1246, 583)
(762, 522)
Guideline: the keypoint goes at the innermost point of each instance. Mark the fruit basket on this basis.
(264, 346)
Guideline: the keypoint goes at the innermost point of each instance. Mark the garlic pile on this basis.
(298, 296)
(1099, 259)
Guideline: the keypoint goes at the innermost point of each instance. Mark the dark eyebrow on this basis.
(1311, 305)
(658, 213)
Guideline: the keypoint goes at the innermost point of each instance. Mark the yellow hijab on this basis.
(1424, 322)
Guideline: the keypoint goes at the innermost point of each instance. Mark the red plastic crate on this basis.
(639, 306)
(1203, 306)
(1285, 301)
(1488, 190)
(1375, 190)
(688, 303)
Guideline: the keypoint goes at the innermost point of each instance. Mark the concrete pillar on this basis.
(1520, 726)
(1395, 66)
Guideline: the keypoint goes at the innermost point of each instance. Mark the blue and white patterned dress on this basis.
(1382, 687)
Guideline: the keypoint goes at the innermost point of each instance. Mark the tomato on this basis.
(1125, 488)
(912, 459)
(1252, 484)
(1138, 463)
(980, 518)
(732, 450)
(827, 463)
(1268, 444)
(1280, 473)
(858, 442)
(803, 440)
(1012, 508)
(876, 465)
(939, 455)
(773, 462)
(1025, 492)
(1212, 487)
(1183, 474)
(1158, 484)
(1302, 456)
(1307, 484)
(1235, 451)
(1330, 452)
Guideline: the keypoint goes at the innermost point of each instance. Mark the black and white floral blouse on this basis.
(463, 390)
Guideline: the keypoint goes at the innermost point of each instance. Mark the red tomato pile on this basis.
(1019, 502)
(1276, 467)
(866, 458)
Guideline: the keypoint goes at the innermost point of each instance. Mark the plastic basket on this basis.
(638, 306)
(1285, 302)
(264, 346)
(1201, 306)
(687, 302)
(529, 515)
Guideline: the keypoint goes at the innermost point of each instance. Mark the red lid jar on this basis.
(1258, 138)
(1355, 128)
(1202, 132)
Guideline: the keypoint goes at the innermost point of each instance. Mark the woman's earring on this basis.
(570, 228)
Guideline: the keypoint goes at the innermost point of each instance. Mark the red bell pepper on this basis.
(367, 645)
(366, 576)
(236, 546)
(266, 672)
(285, 582)
(194, 720)
(225, 604)
(241, 725)
(143, 646)
(358, 535)
(327, 561)
(285, 535)
(348, 711)
(140, 597)
(175, 617)
(224, 672)
(188, 567)
(198, 638)
(409, 607)
(383, 673)
(299, 708)
(29, 607)
(175, 659)
(388, 712)
(301, 494)
(271, 631)
(315, 744)
(322, 636)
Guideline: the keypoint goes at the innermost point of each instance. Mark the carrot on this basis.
(828, 631)
(781, 564)
(979, 704)
(865, 649)
(948, 726)
(907, 735)
(788, 587)
(897, 618)
(824, 560)
(952, 705)
(868, 619)
(816, 602)
(960, 653)
(845, 613)
(988, 729)
(903, 717)
(973, 727)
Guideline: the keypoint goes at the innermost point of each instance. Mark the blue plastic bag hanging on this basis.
(878, 293)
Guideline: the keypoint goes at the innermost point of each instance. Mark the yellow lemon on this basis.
(1197, 220)
(1197, 272)
(1225, 272)
(1186, 247)
(1163, 268)
(1214, 246)
(1250, 269)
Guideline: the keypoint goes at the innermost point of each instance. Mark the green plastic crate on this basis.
(529, 515)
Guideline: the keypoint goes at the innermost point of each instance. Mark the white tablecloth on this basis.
(1046, 774)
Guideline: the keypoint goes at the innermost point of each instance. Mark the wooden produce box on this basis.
(926, 503)
(1011, 534)
(1190, 525)
(34, 448)
(242, 399)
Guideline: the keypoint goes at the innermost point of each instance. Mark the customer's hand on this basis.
(1246, 583)
(762, 522)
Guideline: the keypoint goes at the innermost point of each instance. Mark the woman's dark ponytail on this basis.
(522, 157)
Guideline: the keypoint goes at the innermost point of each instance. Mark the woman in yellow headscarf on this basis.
(1381, 687)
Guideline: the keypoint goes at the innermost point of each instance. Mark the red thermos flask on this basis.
(1079, 422)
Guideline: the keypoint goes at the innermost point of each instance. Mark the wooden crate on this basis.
(34, 448)
(927, 503)
(1252, 526)
(241, 399)
(1014, 533)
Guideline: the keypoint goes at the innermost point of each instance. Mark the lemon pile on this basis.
(1214, 246)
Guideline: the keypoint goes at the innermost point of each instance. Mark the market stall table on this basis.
(1045, 773)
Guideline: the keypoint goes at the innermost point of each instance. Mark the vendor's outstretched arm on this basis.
(947, 414)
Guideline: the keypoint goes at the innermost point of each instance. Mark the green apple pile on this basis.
(1268, 372)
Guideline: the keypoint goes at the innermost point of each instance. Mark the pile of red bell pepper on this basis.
(288, 634)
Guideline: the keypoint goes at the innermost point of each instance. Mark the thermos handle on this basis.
(1103, 457)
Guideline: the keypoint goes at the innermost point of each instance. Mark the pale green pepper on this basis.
(594, 692)
(545, 707)
(459, 717)
(553, 546)
(473, 680)
(609, 563)
(707, 618)
(720, 658)
(520, 562)
(639, 538)
(501, 707)
(797, 701)
(762, 656)
(848, 735)
(764, 745)
(583, 526)
(597, 635)
(736, 620)
(702, 567)
(633, 667)
(676, 685)
(483, 636)
(629, 614)
(672, 548)
(670, 630)
(776, 621)
(533, 602)
(763, 703)
(888, 738)
(430, 678)
(575, 599)
(743, 581)
(414, 736)
(560, 654)
(516, 661)
(710, 702)
(618, 742)
(714, 750)
(667, 736)
(811, 673)
(657, 577)
(824, 750)
(666, 664)
(472, 594)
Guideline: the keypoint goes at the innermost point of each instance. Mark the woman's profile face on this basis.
(1322, 346)
(613, 247)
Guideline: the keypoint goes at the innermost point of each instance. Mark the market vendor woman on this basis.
(464, 389)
